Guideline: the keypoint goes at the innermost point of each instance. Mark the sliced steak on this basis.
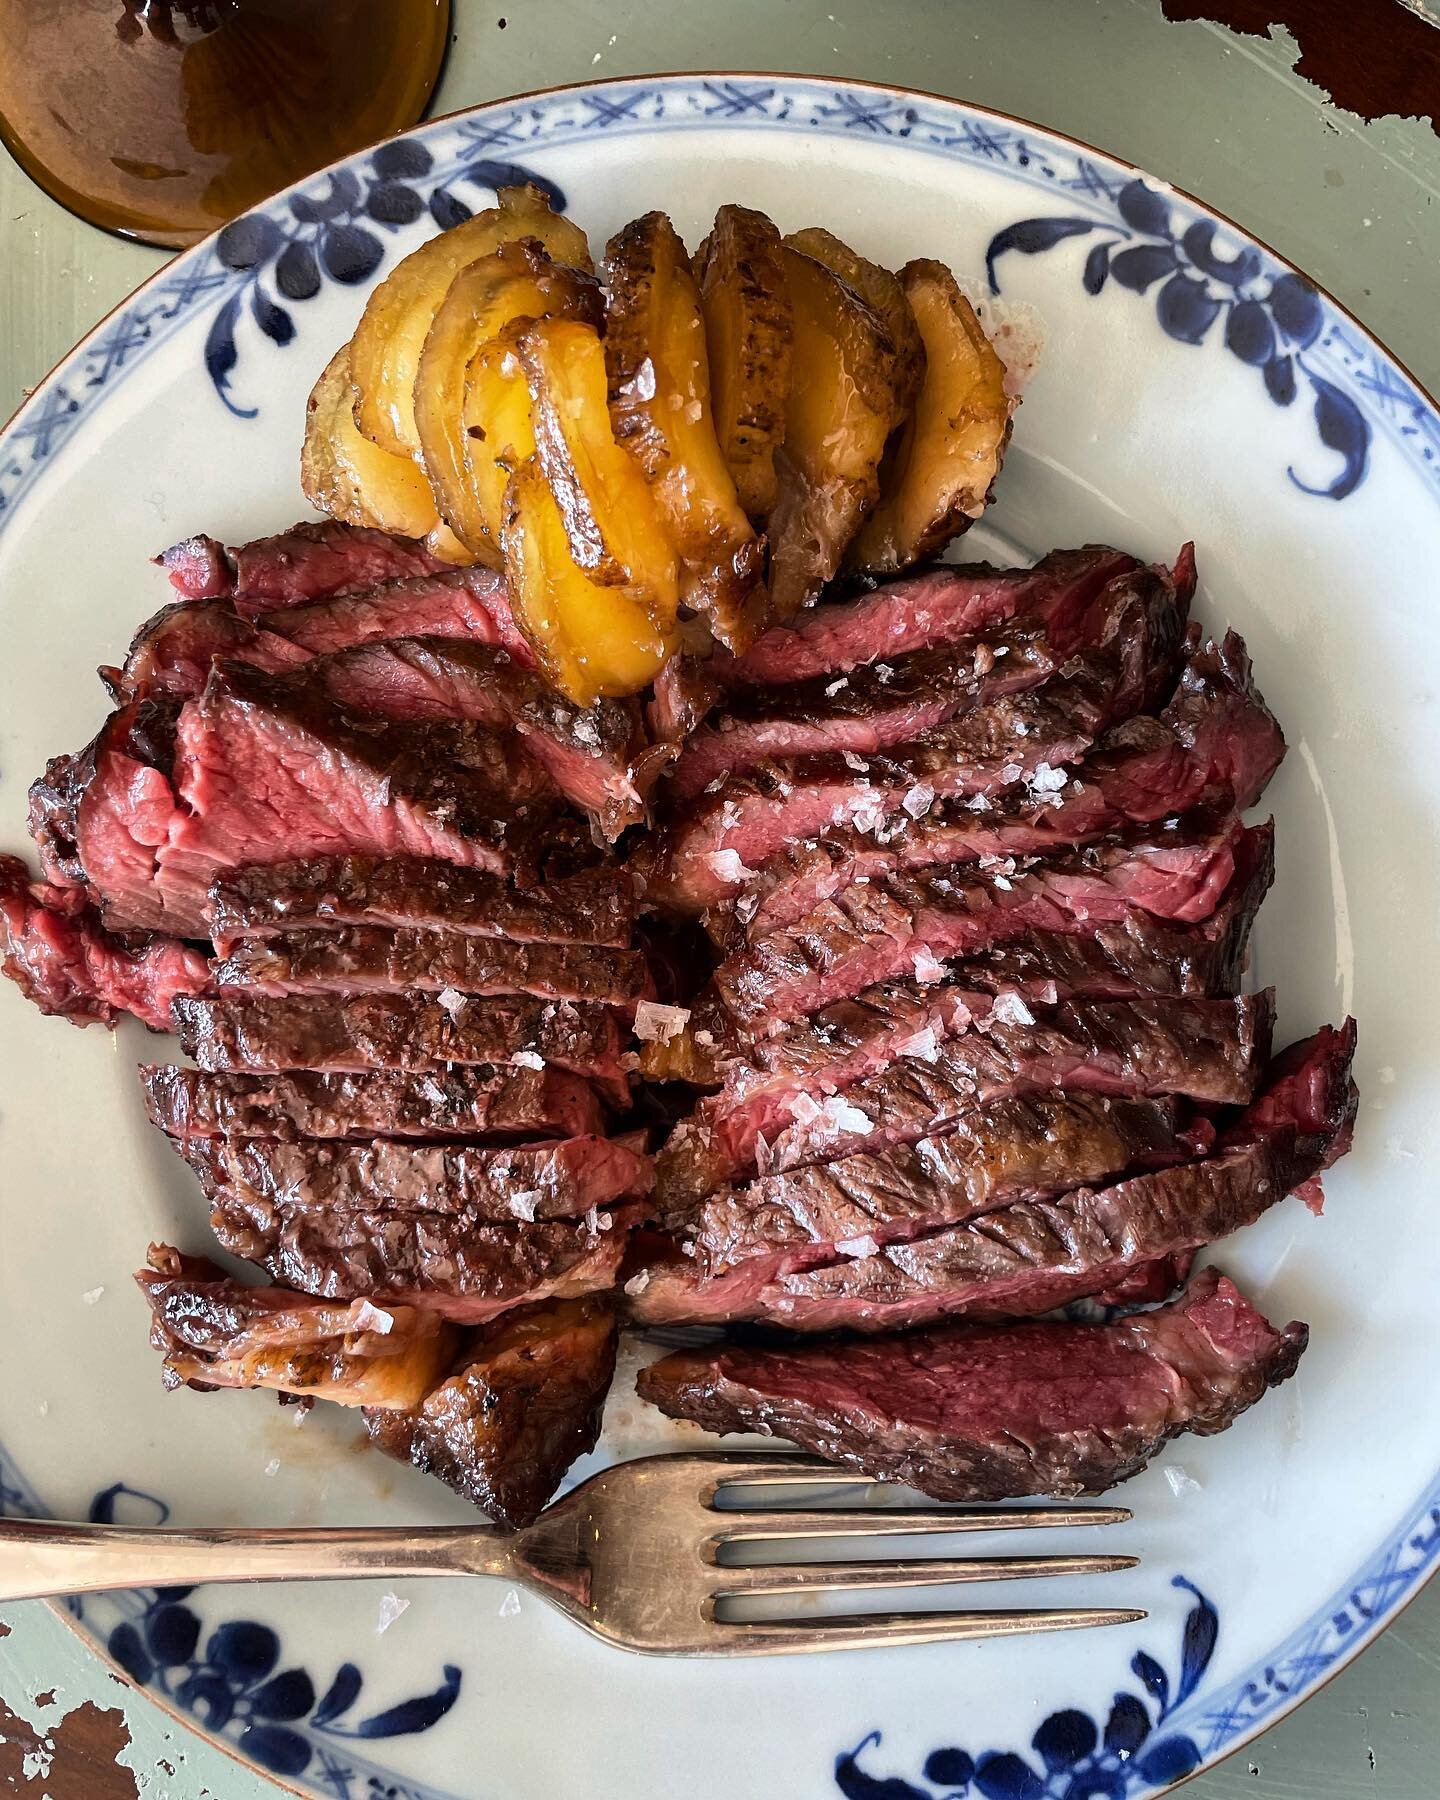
(471, 604)
(215, 1332)
(997, 1412)
(1136, 625)
(726, 836)
(99, 817)
(481, 1102)
(269, 768)
(198, 567)
(914, 923)
(865, 1086)
(1214, 747)
(596, 906)
(590, 753)
(314, 561)
(369, 959)
(522, 1404)
(61, 957)
(1034, 1255)
(173, 652)
(559, 1180)
(461, 1269)
(241, 1032)
(843, 1041)
(1017, 1148)
(938, 606)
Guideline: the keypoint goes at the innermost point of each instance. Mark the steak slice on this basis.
(242, 1032)
(172, 653)
(198, 567)
(938, 606)
(596, 906)
(590, 753)
(996, 1412)
(523, 1402)
(369, 959)
(1214, 747)
(1018, 1148)
(842, 1041)
(473, 604)
(1035, 1255)
(1135, 626)
(217, 1333)
(312, 561)
(463, 1270)
(913, 923)
(723, 838)
(476, 1102)
(559, 1180)
(270, 767)
(869, 1087)
(100, 816)
(61, 957)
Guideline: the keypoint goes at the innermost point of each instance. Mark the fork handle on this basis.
(41, 1557)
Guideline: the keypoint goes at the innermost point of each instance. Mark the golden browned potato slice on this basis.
(518, 280)
(441, 541)
(499, 434)
(659, 380)
(951, 451)
(350, 478)
(591, 640)
(748, 337)
(612, 523)
(385, 353)
(842, 407)
(884, 292)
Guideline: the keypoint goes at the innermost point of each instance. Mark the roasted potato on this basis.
(386, 350)
(591, 640)
(518, 280)
(842, 407)
(951, 450)
(499, 435)
(748, 333)
(347, 476)
(612, 523)
(659, 387)
(884, 293)
(441, 541)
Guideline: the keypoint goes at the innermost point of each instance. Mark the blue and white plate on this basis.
(1191, 385)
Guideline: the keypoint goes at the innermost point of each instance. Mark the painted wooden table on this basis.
(1354, 199)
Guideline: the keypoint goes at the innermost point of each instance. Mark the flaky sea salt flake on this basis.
(927, 969)
(656, 1023)
(391, 1607)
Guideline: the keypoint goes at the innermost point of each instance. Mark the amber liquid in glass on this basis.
(161, 119)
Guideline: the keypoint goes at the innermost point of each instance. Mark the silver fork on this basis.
(632, 1555)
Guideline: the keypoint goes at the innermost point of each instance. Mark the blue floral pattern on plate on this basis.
(1073, 1756)
(1269, 317)
(335, 231)
(228, 1677)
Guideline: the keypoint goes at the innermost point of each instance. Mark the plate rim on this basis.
(1363, 1638)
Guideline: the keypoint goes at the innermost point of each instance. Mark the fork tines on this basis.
(754, 1524)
